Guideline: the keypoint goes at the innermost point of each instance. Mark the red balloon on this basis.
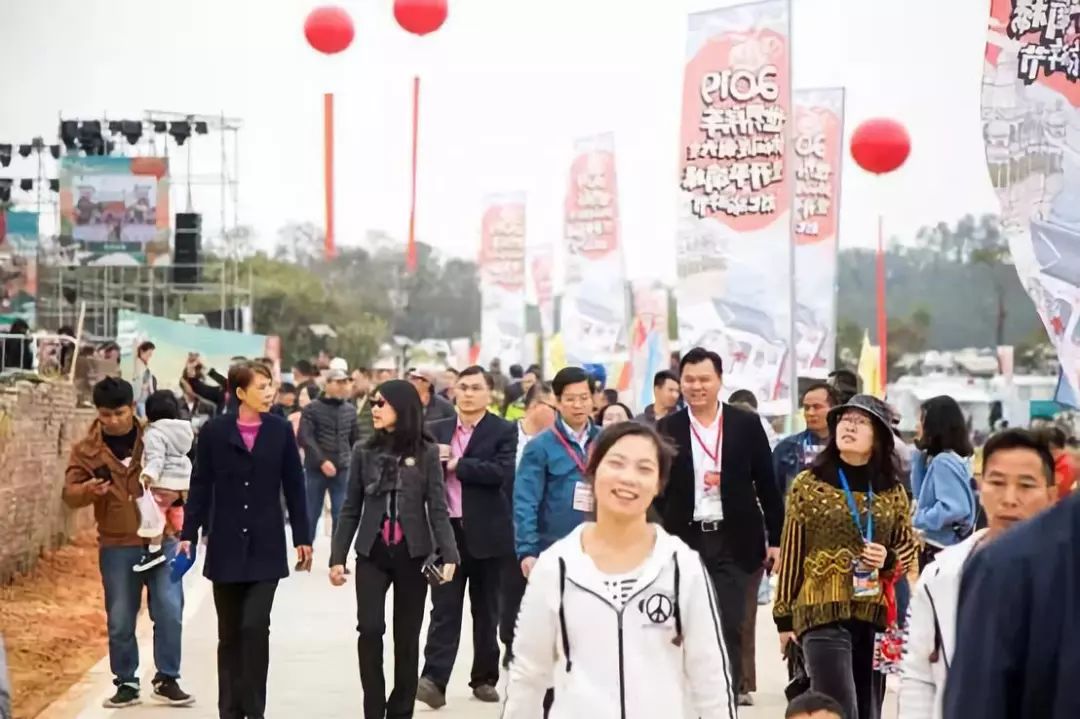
(880, 145)
(329, 29)
(420, 17)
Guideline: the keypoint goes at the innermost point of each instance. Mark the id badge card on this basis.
(584, 500)
(712, 480)
(712, 507)
(866, 582)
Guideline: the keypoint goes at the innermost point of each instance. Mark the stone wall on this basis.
(39, 422)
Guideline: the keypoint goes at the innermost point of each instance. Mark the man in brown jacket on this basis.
(104, 472)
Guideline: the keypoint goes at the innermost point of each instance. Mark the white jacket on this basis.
(166, 444)
(661, 655)
(931, 638)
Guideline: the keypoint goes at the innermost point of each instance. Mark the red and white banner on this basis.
(1031, 126)
(818, 144)
(593, 315)
(734, 233)
(502, 278)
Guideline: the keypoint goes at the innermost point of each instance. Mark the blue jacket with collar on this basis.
(946, 500)
(544, 490)
(792, 455)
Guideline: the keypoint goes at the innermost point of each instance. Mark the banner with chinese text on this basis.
(592, 310)
(733, 249)
(1031, 126)
(818, 146)
(502, 279)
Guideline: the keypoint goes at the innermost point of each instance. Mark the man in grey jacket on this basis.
(328, 431)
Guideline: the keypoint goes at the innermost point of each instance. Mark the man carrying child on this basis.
(105, 471)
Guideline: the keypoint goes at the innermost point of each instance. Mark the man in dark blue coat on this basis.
(1017, 650)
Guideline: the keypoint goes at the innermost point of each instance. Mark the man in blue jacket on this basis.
(796, 453)
(1016, 639)
(551, 496)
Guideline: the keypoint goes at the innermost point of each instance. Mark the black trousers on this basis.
(730, 582)
(448, 603)
(374, 575)
(513, 584)
(840, 662)
(243, 655)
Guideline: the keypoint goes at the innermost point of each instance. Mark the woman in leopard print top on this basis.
(837, 558)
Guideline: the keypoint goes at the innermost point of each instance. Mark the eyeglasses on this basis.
(857, 420)
(579, 399)
(471, 388)
(380, 403)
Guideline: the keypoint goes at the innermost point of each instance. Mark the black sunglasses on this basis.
(380, 403)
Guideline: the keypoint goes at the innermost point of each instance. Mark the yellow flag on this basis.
(870, 368)
(557, 353)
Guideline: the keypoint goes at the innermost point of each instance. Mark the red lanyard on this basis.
(715, 454)
(569, 450)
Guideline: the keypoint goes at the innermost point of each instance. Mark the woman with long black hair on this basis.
(395, 507)
(941, 474)
(847, 537)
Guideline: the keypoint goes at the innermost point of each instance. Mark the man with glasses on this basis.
(478, 449)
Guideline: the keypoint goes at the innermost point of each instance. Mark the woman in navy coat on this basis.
(245, 461)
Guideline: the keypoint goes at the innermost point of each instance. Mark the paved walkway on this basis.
(313, 670)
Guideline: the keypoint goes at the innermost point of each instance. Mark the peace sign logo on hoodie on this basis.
(657, 607)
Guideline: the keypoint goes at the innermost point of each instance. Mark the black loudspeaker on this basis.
(187, 247)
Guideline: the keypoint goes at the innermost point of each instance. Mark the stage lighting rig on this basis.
(180, 131)
(131, 130)
(5, 155)
(69, 134)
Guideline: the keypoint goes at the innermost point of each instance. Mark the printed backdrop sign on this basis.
(592, 314)
(115, 210)
(502, 279)
(174, 340)
(18, 263)
(649, 340)
(734, 232)
(1031, 125)
(818, 144)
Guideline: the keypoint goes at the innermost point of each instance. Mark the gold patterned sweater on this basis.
(820, 543)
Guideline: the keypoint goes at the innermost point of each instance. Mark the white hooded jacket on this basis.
(931, 640)
(165, 461)
(660, 655)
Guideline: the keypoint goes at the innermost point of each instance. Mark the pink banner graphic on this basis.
(502, 278)
(734, 234)
(592, 317)
(818, 145)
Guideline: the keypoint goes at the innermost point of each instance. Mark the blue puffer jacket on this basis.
(544, 491)
(946, 500)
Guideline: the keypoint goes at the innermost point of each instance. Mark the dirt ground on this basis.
(53, 623)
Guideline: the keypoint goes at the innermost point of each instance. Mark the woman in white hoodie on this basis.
(1016, 484)
(620, 617)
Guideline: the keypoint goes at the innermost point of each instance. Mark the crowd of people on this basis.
(598, 545)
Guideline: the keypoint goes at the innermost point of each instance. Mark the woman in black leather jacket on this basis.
(395, 507)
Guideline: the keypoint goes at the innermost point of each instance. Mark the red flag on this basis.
(410, 254)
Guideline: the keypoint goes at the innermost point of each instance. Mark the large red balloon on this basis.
(329, 29)
(420, 17)
(880, 145)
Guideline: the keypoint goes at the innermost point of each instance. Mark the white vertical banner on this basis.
(649, 351)
(502, 279)
(592, 315)
(1031, 127)
(733, 251)
(818, 146)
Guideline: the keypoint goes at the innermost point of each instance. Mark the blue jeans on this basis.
(123, 599)
(318, 484)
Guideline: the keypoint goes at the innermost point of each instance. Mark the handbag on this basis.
(799, 679)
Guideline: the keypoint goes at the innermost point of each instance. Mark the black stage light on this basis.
(160, 126)
(180, 131)
(5, 189)
(114, 127)
(132, 130)
(26, 184)
(109, 148)
(54, 185)
(69, 133)
(5, 155)
(25, 150)
(90, 139)
(55, 150)
(201, 128)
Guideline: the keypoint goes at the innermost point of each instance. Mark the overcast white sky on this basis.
(507, 85)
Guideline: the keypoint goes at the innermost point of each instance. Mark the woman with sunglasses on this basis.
(619, 616)
(847, 537)
(396, 509)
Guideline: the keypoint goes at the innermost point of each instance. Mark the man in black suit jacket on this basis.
(479, 450)
(721, 481)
